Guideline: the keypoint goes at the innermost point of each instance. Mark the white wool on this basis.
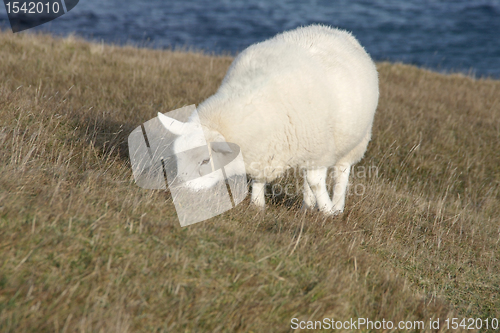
(303, 99)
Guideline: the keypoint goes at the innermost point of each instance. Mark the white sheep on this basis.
(303, 99)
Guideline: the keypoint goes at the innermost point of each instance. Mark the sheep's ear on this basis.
(174, 126)
(221, 147)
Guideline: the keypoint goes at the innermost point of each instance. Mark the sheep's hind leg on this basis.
(258, 191)
(309, 198)
(316, 178)
(342, 170)
(341, 178)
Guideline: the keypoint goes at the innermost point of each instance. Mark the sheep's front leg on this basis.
(258, 191)
(341, 178)
(316, 178)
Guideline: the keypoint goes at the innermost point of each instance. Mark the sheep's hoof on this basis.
(257, 207)
(306, 207)
(333, 212)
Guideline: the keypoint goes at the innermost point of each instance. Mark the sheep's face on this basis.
(195, 158)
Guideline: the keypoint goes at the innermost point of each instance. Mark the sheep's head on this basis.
(197, 160)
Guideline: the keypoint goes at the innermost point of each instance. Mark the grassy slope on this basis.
(84, 249)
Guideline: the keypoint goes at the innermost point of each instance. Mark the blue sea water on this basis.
(443, 35)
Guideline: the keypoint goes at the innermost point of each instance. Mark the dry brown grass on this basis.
(82, 248)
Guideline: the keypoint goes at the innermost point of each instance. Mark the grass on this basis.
(82, 248)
